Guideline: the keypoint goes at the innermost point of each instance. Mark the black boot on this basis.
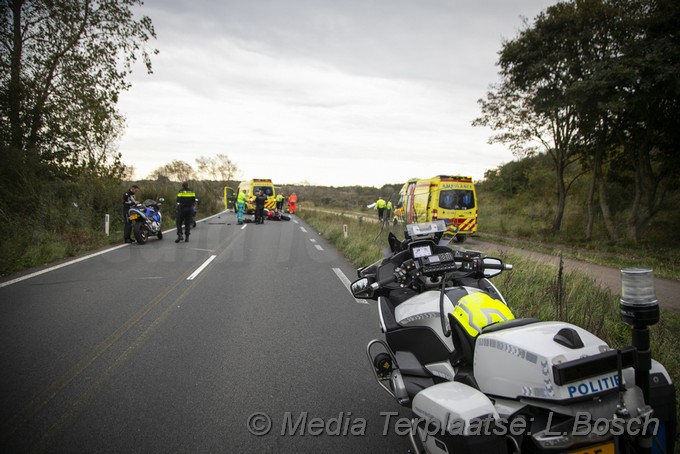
(179, 238)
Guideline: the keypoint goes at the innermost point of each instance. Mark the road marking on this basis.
(318, 247)
(295, 221)
(56, 267)
(62, 265)
(201, 268)
(204, 250)
(312, 240)
(303, 229)
(347, 283)
(244, 226)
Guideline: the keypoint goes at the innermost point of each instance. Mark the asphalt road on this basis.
(168, 347)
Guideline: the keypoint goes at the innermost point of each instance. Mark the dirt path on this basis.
(667, 291)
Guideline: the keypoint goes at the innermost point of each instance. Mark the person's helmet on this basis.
(478, 310)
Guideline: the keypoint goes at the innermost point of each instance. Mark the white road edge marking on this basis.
(244, 226)
(201, 268)
(318, 247)
(86, 257)
(312, 240)
(347, 283)
(47, 270)
(303, 229)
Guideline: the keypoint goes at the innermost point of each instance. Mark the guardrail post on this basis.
(344, 230)
(106, 224)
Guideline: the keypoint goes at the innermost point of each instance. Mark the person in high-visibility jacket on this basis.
(292, 203)
(279, 202)
(241, 206)
(186, 198)
(380, 205)
(388, 210)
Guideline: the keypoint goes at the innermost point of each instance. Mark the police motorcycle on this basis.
(477, 379)
(146, 220)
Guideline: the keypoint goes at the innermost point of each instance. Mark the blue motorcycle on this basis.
(146, 220)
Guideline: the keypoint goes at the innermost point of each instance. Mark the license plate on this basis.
(134, 216)
(606, 448)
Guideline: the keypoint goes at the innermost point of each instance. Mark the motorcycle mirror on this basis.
(362, 288)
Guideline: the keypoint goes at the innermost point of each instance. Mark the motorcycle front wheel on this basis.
(141, 232)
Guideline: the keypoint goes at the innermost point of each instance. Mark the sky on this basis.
(324, 92)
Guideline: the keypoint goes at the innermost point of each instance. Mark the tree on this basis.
(64, 63)
(175, 171)
(596, 81)
(218, 166)
(529, 106)
(649, 124)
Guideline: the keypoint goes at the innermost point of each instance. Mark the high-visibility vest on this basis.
(186, 198)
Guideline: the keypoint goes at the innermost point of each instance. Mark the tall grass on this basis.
(532, 289)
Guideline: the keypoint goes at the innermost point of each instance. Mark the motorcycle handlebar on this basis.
(385, 281)
(497, 266)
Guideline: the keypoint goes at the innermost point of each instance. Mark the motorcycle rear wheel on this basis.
(141, 232)
(160, 235)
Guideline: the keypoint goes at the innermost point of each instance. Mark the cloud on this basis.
(330, 92)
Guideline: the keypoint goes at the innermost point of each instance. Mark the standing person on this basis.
(380, 205)
(279, 202)
(388, 210)
(186, 198)
(292, 203)
(260, 200)
(128, 202)
(241, 206)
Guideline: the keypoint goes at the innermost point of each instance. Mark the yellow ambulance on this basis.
(451, 198)
(258, 184)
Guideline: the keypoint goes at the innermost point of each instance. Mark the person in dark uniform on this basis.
(186, 198)
(260, 200)
(128, 202)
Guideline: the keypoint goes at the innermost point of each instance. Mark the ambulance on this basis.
(451, 198)
(252, 186)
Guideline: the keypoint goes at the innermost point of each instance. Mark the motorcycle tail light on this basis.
(435, 215)
(134, 216)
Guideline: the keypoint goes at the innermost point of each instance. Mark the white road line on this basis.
(318, 247)
(201, 268)
(47, 270)
(303, 229)
(86, 257)
(312, 240)
(295, 221)
(347, 283)
(244, 226)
